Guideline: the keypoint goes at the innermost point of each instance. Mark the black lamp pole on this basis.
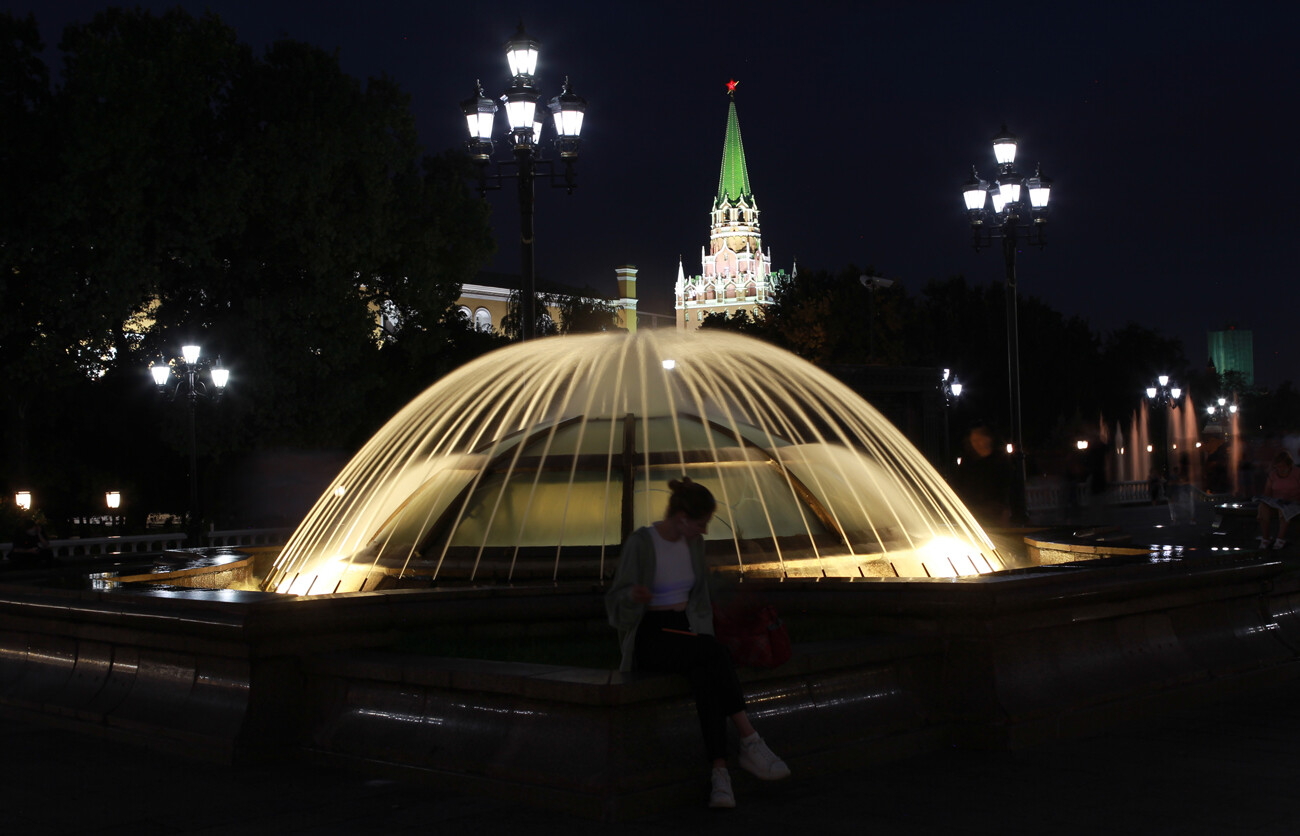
(1016, 206)
(525, 119)
(1164, 396)
(951, 390)
(199, 379)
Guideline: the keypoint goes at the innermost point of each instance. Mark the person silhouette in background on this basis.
(1280, 500)
(31, 548)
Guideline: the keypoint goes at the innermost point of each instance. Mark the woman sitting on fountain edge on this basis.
(659, 603)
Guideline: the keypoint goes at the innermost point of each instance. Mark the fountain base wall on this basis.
(1005, 660)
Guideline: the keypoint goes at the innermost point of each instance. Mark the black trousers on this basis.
(703, 660)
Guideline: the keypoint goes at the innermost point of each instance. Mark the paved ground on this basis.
(1228, 767)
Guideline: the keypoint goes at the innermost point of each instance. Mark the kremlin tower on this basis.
(736, 273)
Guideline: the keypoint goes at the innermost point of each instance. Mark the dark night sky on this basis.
(1162, 126)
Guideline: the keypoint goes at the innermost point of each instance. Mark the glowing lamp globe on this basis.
(1004, 147)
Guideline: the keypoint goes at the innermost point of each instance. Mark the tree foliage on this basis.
(175, 187)
(1070, 376)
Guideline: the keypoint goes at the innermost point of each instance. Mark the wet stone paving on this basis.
(1226, 767)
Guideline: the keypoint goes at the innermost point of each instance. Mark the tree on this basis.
(820, 316)
(1130, 360)
(176, 187)
(24, 109)
(585, 312)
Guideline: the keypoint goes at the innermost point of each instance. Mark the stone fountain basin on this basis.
(882, 668)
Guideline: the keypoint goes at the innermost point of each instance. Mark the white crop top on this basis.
(674, 575)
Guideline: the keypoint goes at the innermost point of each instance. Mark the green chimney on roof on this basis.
(733, 182)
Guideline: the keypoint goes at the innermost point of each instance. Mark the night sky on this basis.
(1162, 126)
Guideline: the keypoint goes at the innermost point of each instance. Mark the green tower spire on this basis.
(733, 182)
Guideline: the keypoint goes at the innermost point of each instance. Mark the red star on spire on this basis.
(731, 87)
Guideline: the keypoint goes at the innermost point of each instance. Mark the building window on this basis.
(482, 320)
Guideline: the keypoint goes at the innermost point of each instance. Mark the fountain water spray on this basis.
(537, 461)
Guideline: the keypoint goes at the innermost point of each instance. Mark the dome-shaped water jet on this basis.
(537, 460)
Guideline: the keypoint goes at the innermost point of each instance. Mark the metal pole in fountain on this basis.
(1003, 213)
(525, 122)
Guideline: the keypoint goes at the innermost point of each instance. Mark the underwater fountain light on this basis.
(537, 461)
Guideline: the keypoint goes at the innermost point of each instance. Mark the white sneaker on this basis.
(756, 758)
(721, 796)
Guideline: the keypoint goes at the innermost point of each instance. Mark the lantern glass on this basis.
(521, 108)
(1004, 147)
(521, 53)
(480, 124)
(1040, 191)
(568, 109)
(480, 113)
(190, 353)
(568, 123)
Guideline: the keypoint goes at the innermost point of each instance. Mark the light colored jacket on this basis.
(636, 567)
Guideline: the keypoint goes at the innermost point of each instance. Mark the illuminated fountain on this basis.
(538, 460)
(534, 463)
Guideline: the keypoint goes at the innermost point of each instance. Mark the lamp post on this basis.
(525, 120)
(952, 389)
(1222, 408)
(1164, 396)
(198, 378)
(1014, 208)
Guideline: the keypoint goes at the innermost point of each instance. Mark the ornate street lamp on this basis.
(1165, 397)
(951, 389)
(526, 119)
(198, 378)
(1223, 408)
(1002, 211)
